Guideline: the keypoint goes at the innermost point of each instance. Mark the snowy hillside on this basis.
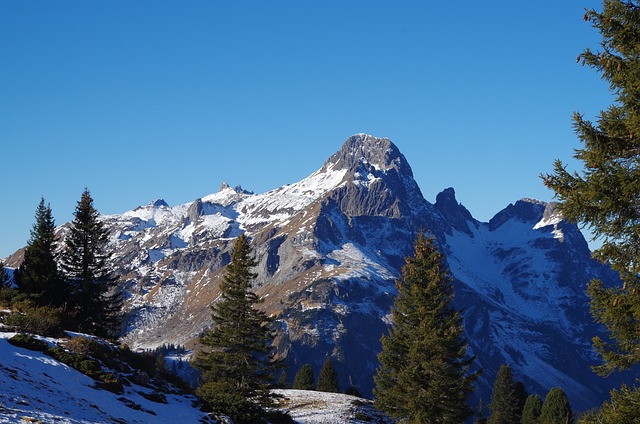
(37, 388)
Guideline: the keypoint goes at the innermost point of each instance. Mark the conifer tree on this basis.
(304, 379)
(521, 397)
(532, 409)
(604, 196)
(38, 274)
(237, 360)
(328, 378)
(504, 407)
(84, 263)
(283, 380)
(424, 373)
(5, 281)
(556, 408)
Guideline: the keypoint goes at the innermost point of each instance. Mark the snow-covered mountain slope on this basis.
(37, 388)
(329, 248)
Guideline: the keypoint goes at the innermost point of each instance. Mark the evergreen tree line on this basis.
(72, 278)
(305, 379)
(510, 404)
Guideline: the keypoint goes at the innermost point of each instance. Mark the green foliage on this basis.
(42, 320)
(556, 408)
(304, 379)
(622, 408)
(505, 406)
(328, 378)
(8, 296)
(38, 274)
(424, 373)
(283, 380)
(532, 409)
(237, 363)
(88, 366)
(28, 342)
(5, 280)
(604, 196)
(95, 302)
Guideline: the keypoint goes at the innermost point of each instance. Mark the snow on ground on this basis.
(35, 387)
(310, 407)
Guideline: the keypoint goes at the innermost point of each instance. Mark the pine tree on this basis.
(328, 378)
(505, 405)
(604, 196)
(531, 410)
(304, 379)
(283, 380)
(96, 303)
(622, 408)
(424, 373)
(521, 397)
(5, 281)
(38, 274)
(237, 363)
(556, 408)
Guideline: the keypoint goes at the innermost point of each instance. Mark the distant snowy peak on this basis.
(363, 149)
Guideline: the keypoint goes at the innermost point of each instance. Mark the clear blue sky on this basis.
(138, 100)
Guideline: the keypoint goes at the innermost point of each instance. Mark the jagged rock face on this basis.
(329, 249)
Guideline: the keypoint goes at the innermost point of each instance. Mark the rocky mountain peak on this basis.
(363, 149)
(453, 212)
(524, 210)
(377, 180)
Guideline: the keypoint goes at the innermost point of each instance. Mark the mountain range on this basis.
(330, 248)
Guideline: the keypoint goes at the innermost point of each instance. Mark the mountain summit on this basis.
(330, 248)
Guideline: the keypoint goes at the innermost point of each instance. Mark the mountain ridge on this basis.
(329, 248)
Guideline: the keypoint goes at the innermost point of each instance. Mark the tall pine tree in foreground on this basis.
(38, 275)
(97, 306)
(237, 357)
(505, 406)
(605, 196)
(424, 374)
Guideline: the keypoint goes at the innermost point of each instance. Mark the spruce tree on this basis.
(5, 281)
(328, 378)
(556, 408)
(304, 379)
(521, 397)
(97, 305)
(38, 275)
(424, 373)
(532, 409)
(283, 380)
(236, 362)
(604, 195)
(505, 406)
(622, 408)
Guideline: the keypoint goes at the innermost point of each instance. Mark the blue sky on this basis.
(138, 100)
